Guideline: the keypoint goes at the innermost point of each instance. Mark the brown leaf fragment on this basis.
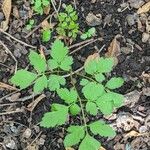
(114, 48)
(92, 57)
(6, 8)
(145, 8)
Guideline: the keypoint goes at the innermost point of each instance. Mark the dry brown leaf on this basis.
(32, 105)
(6, 86)
(132, 134)
(6, 8)
(92, 57)
(114, 48)
(145, 8)
(45, 25)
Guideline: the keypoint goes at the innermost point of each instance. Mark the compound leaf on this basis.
(114, 83)
(76, 134)
(56, 117)
(89, 143)
(23, 78)
(38, 62)
(91, 108)
(68, 96)
(75, 109)
(99, 127)
(55, 81)
(90, 88)
(40, 84)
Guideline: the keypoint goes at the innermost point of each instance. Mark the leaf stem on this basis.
(81, 105)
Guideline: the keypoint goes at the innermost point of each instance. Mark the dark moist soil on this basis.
(131, 65)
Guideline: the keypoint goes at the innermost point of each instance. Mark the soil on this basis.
(130, 65)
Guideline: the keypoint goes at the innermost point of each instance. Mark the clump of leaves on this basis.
(30, 24)
(68, 26)
(97, 95)
(88, 34)
(39, 5)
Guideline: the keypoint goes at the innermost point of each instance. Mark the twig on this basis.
(76, 71)
(80, 43)
(9, 104)
(75, 5)
(34, 140)
(8, 51)
(26, 98)
(19, 41)
(52, 1)
(11, 112)
(84, 46)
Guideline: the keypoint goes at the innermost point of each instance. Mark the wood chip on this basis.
(145, 8)
(8, 87)
(6, 8)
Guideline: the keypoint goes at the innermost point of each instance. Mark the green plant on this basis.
(96, 96)
(88, 34)
(46, 35)
(39, 5)
(68, 26)
(30, 24)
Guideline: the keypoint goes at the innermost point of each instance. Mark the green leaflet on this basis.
(59, 53)
(114, 83)
(55, 81)
(84, 82)
(99, 77)
(99, 127)
(23, 78)
(105, 103)
(38, 62)
(91, 108)
(89, 143)
(76, 134)
(99, 65)
(68, 96)
(40, 84)
(90, 88)
(46, 35)
(74, 109)
(58, 116)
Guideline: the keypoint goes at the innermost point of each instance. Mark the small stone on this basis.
(9, 143)
(131, 19)
(145, 37)
(27, 133)
(146, 91)
(17, 53)
(93, 20)
(142, 129)
(1, 16)
(126, 50)
(41, 141)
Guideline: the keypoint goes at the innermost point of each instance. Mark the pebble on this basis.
(126, 50)
(17, 53)
(142, 129)
(93, 20)
(145, 37)
(131, 19)
(9, 143)
(27, 133)
(1, 16)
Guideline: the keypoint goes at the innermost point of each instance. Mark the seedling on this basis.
(46, 35)
(88, 34)
(39, 5)
(68, 26)
(30, 24)
(96, 94)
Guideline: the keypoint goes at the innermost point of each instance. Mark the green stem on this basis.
(91, 79)
(81, 105)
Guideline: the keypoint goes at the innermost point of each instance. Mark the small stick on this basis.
(8, 51)
(11, 112)
(84, 46)
(52, 1)
(19, 41)
(9, 104)
(80, 43)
